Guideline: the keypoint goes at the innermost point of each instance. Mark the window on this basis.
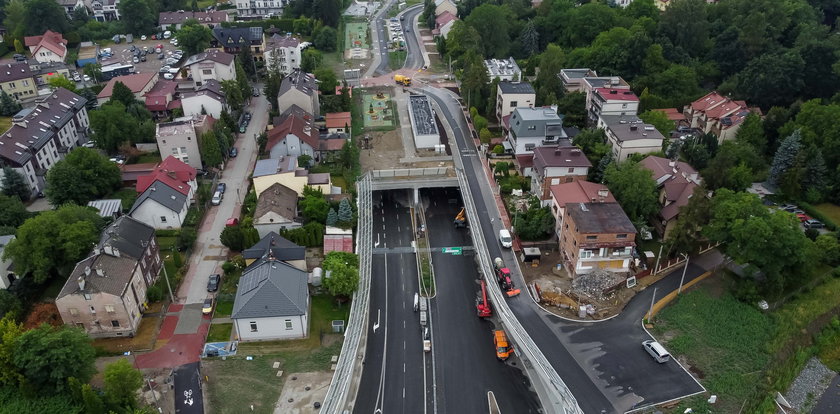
(253, 326)
(109, 308)
(591, 237)
(624, 106)
(87, 296)
(530, 147)
(92, 310)
(514, 104)
(25, 82)
(163, 219)
(115, 324)
(620, 236)
(207, 72)
(74, 311)
(555, 181)
(532, 127)
(288, 324)
(585, 254)
(571, 170)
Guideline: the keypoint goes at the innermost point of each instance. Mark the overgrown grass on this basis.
(152, 157)
(828, 343)
(219, 332)
(724, 339)
(5, 123)
(127, 195)
(792, 318)
(223, 308)
(396, 59)
(830, 211)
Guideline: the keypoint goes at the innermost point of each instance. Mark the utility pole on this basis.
(166, 275)
(652, 299)
(685, 267)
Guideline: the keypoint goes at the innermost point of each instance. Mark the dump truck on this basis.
(461, 218)
(503, 348)
(402, 80)
(482, 305)
(504, 279)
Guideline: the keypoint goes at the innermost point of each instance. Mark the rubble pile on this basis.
(594, 284)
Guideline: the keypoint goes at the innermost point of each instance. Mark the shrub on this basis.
(187, 238)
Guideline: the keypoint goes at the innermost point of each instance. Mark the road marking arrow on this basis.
(376, 325)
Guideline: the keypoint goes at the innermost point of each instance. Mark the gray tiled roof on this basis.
(128, 235)
(279, 199)
(516, 87)
(299, 80)
(603, 218)
(281, 248)
(271, 289)
(163, 194)
(116, 275)
(273, 166)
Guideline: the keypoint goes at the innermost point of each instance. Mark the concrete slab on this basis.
(303, 400)
(190, 319)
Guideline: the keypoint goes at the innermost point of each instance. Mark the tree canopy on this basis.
(343, 271)
(194, 37)
(84, 175)
(47, 356)
(633, 188)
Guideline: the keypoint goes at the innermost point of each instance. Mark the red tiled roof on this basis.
(525, 161)
(444, 18)
(338, 119)
(709, 100)
(673, 114)
(338, 243)
(174, 104)
(579, 192)
(613, 94)
(172, 172)
(136, 82)
(163, 88)
(49, 35)
(298, 126)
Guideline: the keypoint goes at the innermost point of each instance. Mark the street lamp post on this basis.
(685, 267)
(166, 275)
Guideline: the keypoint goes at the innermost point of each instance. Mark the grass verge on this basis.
(223, 308)
(5, 123)
(219, 332)
(127, 195)
(830, 211)
(396, 59)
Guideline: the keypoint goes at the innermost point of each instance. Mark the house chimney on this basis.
(672, 163)
(87, 270)
(81, 281)
(99, 271)
(558, 151)
(602, 195)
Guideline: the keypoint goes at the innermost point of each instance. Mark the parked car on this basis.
(217, 199)
(243, 127)
(803, 217)
(161, 56)
(136, 59)
(86, 78)
(222, 187)
(213, 283)
(207, 308)
(813, 224)
(143, 37)
(789, 207)
(233, 152)
(168, 76)
(247, 116)
(233, 221)
(164, 69)
(256, 92)
(143, 58)
(167, 34)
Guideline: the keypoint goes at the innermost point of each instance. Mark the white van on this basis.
(217, 198)
(656, 350)
(505, 238)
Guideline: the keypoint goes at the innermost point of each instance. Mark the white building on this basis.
(267, 8)
(534, 127)
(272, 302)
(105, 10)
(41, 136)
(208, 98)
(629, 139)
(512, 95)
(609, 101)
(161, 206)
(423, 125)
(504, 69)
(283, 53)
(213, 64)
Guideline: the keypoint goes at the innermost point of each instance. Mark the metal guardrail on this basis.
(560, 398)
(410, 172)
(352, 350)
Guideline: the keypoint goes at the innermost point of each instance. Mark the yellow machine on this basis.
(461, 218)
(402, 80)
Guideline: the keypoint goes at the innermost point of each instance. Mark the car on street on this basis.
(217, 198)
(213, 282)
(803, 217)
(222, 187)
(813, 224)
(656, 351)
(207, 308)
(233, 152)
(243, 127)
(247, 116)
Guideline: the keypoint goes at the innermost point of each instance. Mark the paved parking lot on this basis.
(122, 54)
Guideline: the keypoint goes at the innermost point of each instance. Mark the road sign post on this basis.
(456, 251)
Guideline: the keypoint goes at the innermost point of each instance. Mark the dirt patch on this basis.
(301, 391)
(143, 339)
(385, 151)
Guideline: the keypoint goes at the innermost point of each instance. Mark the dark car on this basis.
(242, 128)
(221, 188)
(143, 58)
(233, 152)
(247, 116)
(213, 283)
(161, 56)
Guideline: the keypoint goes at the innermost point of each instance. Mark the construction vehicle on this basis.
(504, 279)
(503, 348)
(427, 341)
(402, 80)
(482, 305)
(461, 218)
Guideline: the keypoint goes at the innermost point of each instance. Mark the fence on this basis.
(409, 172)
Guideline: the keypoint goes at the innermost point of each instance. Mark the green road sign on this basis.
(453, 250)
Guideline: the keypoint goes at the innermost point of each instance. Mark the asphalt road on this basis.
(414, 57)
(187, 383)
(603, 364)
(465, 360)
(395, 377)
(380, 43)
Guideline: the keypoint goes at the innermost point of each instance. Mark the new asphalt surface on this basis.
(187, 383)
(603, 364)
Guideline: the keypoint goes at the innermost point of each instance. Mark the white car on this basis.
(143, 37)
(164, 69)
(86, 78)
(168, 76)
(167, 34)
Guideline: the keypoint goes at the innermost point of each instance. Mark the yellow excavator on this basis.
(461, 218)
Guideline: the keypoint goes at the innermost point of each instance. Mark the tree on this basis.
(685, 24)
(785, 157)
(686, 235)
(327, 81)
(111, 127)
(242, 80)
(14, 184)
(233, 94)
(233, 238)
(122, 94)
(56, 82)
(343, 270)
(462, 38)
(332, 217)
(12, 211)
(815, 173)
(54, 241)
(772, 79)
(314, 206)
(659, 120)
(8, 106)
(634, 188)
(549, 86)
(248, 64)
(10, 305)
(329, 11)
(43, 15)
(536, 223)
(734, 167)
(10, 332)
(137, 17)
(573, 107)
(751, 132)
(121, 384)
(194, 37)
(211, 155)
(530, 38)
(326, 39)
(47, 356)
(310, 60)
(345, 213)
(80, 17)
(15, 22)
(82, 176)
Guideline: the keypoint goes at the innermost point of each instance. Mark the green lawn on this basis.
(152, 157)
(127, 195)
(5, 123)
(219, 332)
(830, 211)
(223, 308)
(396, 59)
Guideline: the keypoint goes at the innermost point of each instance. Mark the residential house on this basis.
(108, 208)
(301, 89)
(16, 79)
(273, 245)
(7, 267)
(179, 138)
(338, 122)
(590, 84)
(162, 206)
(534, 127)
(338, 240)
(444, 23)
(716, 114)
(276, 209)
(271, 302)
(573, 78)
(503, 69)
(283, 53)
(49, 47)
(105, 10)
(70, 5)
(575, 192)
(139, 83)
(285, 171)
(444, 6)
(162, 99)
(555, 165)
(41, 136)
(674, 115)
(106, 292)
(212, 64)
(233, 39)
(295, 136)
(676, 181)
(605, 120)
(512, 95)
(174, 20)
(208, 98)
(172, 172)
(611, 101)
(259, 8)
(629, 139)
(596, 236)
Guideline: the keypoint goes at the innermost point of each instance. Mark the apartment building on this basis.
(596, 236)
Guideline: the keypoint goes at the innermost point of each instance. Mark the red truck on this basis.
(504, 279)
(482, 305)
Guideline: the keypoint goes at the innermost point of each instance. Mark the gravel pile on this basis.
(595, 283)
(809, 386)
